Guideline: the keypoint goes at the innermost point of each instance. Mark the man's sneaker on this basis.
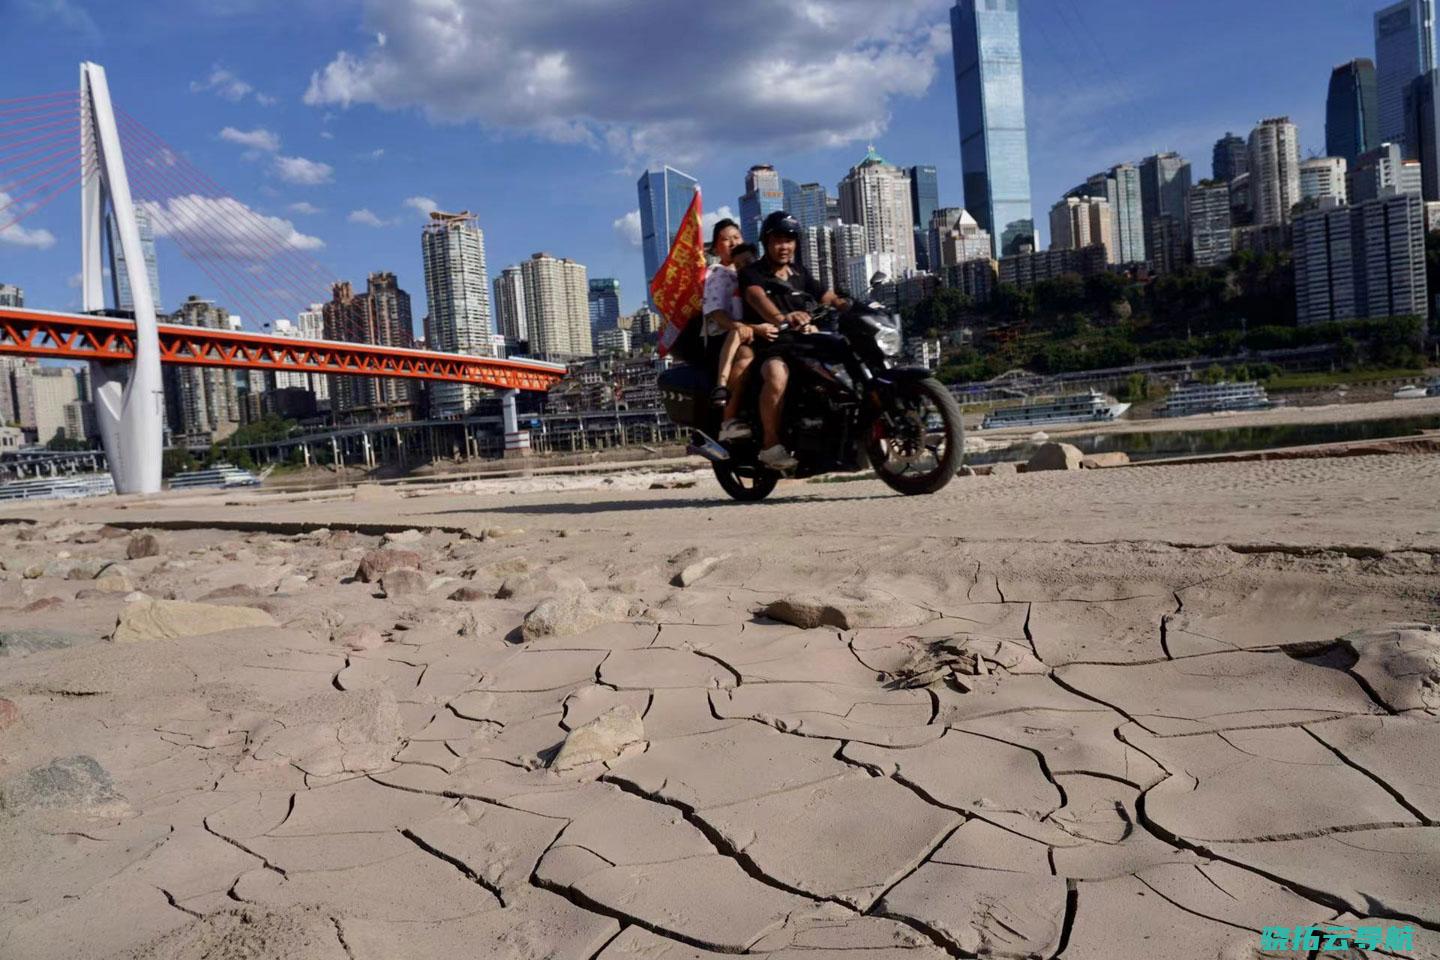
(734, 430)
(777, 458)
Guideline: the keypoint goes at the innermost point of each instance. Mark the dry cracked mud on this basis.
(1050, 749)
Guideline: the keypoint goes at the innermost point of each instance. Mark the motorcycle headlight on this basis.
(887, 338)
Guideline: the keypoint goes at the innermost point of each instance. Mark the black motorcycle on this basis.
(847, 409)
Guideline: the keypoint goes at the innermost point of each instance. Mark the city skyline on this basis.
(377, 161)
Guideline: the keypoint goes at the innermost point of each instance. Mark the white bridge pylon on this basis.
(129, 398)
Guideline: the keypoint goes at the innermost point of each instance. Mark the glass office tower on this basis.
(1352, 111)
(990, 95)
(1404, 50)
(665, 195)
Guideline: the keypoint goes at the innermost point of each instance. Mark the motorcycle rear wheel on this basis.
(892, 457)
(747, 489)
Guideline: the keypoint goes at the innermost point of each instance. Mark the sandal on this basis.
(720, 396)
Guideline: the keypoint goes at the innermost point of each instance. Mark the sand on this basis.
(1116, 713)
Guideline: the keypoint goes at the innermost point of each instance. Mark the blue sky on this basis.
(539, 116)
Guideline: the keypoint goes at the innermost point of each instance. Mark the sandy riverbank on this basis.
(1105, 711)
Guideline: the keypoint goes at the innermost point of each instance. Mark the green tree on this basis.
(1213, 374)
(1013, 303)
(62, 442)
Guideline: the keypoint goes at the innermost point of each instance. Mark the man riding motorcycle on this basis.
(769, 288)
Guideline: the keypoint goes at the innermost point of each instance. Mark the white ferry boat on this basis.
(1414, 391)
(59, 488)
(1091, 407)
(218, 475)
(1191, 398)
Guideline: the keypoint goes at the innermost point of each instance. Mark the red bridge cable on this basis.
(6, 188)
(301, 265)
(266, 236)
(32, 140)
(19, 115)
(57, 95)
(60, 185)
(160, 186)
(15, 200)
(62, 143)
(55, 120)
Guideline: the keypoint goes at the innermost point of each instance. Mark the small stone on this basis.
(44, 603)
(469, 594)
(499, 533)
(361, 636)
(404, 581)
(67, 782)
(847, 610)
(22, 642)
(1055, 456)
(377, 563)
(574, 613)
(108, 532)
(9, 713)
(965, 471)
(136, 596)
(696, 571)
(113, 582)
(172, 619)
(536, 584)
(1110, 458)
(600, 740)
(402, 537)
(1005, 469)
(142, 545)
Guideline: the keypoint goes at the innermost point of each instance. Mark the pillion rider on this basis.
(769, 288)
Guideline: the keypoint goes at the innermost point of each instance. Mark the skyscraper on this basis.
(817, 252)
(806, 203)
(382, 316)
(557, 307)
(1322, 177)
(1274, 170)
(1404, 49)
(1365, 260)
(604, 304)
(1229, 159)
(510, 304)
(876, 195)
(956, 238)
(1164, 187)
(457, 291)
(1209, 214)
(848, 243)
(1422, 129)
(1121, 187)
(764, 194)
(1080, 222)
(990, 95)
(204, 401)
(1381, 171)
(152, 269)
(1352, 111)
(11, 296)
(665, 195)
(924, 198)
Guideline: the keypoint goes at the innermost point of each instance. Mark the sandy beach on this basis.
(1122, 713)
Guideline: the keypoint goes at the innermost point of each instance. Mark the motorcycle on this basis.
(848, 408)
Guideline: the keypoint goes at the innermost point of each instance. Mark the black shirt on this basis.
(787, 295)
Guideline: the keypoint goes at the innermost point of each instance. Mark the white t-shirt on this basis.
(722, 293)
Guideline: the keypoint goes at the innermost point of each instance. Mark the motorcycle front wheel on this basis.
(751, 485)
(919, 446)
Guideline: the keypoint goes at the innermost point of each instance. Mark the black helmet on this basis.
(780, 222)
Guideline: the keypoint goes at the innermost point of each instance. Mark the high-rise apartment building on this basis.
(764, 194)
(613, 340)
(848, 241)
(604, 298)
(1229, 158)
(1210, 241)
(876, 195)
(557, 307)
(1422, 129)
(924, 198)
(1079, 222)
(990, 96)
(457, 291)
(1381, 171)
(204, 401)
(1323, 177)
(51, 388)
(956, 238)
(1274, 170)
(806, 203)
(152, 267)
(309, 325)
(862, 270)
(665, 195)
(1404, 50)
(1363, 260)
(1164, 188)
(381, 316)
(11, 296)
(816, 251)
(1352, 111)
(1121, 187)
(510, 305)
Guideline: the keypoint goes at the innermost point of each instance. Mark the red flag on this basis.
(678, 287)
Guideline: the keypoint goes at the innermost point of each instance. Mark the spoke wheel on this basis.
(918, 447)
(754, 484)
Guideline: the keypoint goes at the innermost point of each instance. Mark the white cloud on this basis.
(367, 218)
(424, 205)
(326, 135)
(377, 153)
(301, 171)
(257, 139)
(67, 15)
(223, 228)
(585, 72)
(74, 280)
(225, 84)
(627, 228)
(19, 235)
(708, 220)
(304, 207)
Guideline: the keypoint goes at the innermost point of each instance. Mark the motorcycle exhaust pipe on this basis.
(709, 449)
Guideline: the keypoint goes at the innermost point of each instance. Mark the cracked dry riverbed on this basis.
(1137, 749)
